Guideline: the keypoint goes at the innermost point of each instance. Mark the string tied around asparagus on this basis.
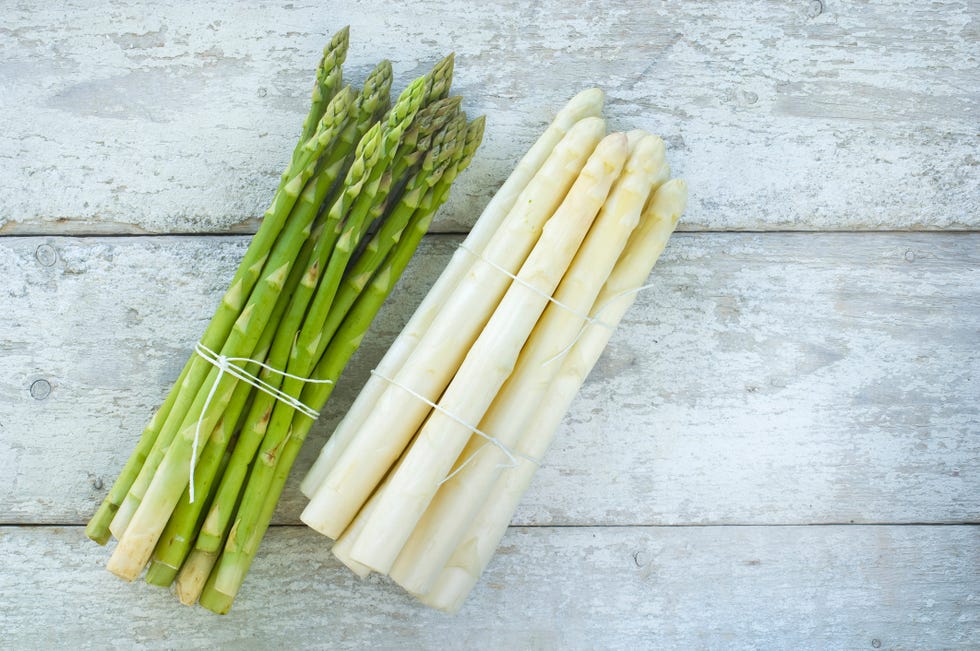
(229, 365)
(536, 290)
(587, 319)
(512, 455)
(594, 321)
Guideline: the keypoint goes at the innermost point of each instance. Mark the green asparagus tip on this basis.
(375, 96)
(408, 103)
(365, 156)
(401, 115)
(447, 105)
(440, 78)
(337, 46)
(433, 118)
(474, 134)
(379, 77)
(338, 107)
(368, 144)
(341, 38)
(446, 143)
(334, 54)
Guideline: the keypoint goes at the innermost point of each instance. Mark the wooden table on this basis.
(780, 447)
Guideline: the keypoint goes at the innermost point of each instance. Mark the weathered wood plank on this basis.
(178, 116)
(839, 587)
(780, 378)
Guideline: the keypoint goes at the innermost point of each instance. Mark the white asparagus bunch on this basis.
(422, 476)
(436, 535)
(476, 547)
(489, 361)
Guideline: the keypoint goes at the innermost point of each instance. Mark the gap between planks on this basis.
(461, 233)
(285, 525)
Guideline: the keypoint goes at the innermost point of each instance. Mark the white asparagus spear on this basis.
(587, 103)
(397, 414)
(341, 548)
(634, 136)
(478, 544)
(488, 363)
(459, 498)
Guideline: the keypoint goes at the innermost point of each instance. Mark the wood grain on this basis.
(766, 379)
(853, 587)
(178, 116)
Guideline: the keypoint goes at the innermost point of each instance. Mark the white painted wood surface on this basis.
(825, 373)
(178, 116)
(836, 587)
(771, 382)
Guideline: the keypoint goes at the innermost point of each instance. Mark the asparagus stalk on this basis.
(445, 520)
(481, 539)
(304, 353)
(373, 100)
(398, 414)
(230, 314)
(584, 105)
(336, 244)
(217, 331)
(233, 564)
(329, 76)
(489, 361)
(167, 480)
(184, 523)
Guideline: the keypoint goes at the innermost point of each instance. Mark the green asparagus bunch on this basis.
(363, 183)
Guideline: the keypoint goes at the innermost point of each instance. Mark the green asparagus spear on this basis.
(169, 478)
(359, 190)
(181, 529)
(373, 101)
(157, 436)
(439, 79)
(243, 541)
(329, 77)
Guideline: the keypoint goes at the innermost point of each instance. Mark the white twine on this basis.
(594, 321)
(224, 365)
(543, 294)
(588, 320)
(512, 455)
